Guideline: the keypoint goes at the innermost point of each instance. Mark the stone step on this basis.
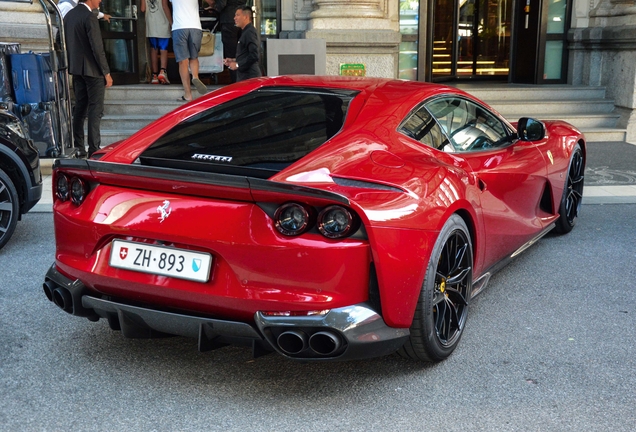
(608, 120)
(136, 92)
(128, 122)
(502, 92)
(561, 107)
(112, 136)
(139, 107)
(604, 134)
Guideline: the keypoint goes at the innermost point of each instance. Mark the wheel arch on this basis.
(470, 224)
(17, 172)
(400, 276)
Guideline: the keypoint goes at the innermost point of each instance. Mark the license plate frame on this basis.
(146, 258)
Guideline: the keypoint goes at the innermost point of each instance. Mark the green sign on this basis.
(353, 69)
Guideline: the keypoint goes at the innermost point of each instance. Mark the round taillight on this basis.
(335, 222)
(62, 187)
(78, 190)
(291, 219)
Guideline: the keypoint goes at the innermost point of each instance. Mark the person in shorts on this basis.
(186, 43)
(158, 34)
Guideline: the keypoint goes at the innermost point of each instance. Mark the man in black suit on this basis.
(229, 31)
(248, 48)
(91, 74)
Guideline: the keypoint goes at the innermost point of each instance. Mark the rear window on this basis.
(265, 130)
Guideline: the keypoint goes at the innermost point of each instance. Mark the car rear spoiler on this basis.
(195, 183)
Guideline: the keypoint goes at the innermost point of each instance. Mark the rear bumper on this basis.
(359, 332)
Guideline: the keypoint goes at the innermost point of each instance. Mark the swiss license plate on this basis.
(160, 260)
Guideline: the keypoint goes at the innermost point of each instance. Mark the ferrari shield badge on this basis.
(164, 211)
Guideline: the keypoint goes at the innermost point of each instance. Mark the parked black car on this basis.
(20, 175)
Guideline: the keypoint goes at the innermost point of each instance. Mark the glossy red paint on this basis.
(402, 191)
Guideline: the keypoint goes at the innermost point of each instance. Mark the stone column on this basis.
(605, 54)
(358, 31)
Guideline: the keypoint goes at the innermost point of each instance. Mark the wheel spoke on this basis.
(459, 277)
(578, 179)
(6, 206)
(453, 318)
(460, 251)
(439, 319)
(456, 297)
(438, 297)
(445, 331)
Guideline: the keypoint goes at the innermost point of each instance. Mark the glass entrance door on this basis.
(120, 40)
(471, 38)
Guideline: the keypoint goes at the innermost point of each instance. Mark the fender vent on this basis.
(546, 199)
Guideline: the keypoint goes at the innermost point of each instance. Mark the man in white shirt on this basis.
(186, 43)
(66, 5)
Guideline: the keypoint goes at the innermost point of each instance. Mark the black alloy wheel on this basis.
(9, 211)
(572, 193)
(442, 308)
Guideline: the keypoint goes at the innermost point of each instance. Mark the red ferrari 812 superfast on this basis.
(323, 218)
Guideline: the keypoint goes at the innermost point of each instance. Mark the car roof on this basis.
(383, 96)
(398, 88)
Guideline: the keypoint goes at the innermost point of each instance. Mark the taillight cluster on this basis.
(73, 188)
(333, 222)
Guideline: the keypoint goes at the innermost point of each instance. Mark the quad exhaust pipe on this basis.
(59, 295)
(322, 343)
(292, 342)
(62, 298)
(49, 287)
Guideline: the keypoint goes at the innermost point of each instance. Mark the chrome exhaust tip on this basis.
(292, 342)
(324, 343)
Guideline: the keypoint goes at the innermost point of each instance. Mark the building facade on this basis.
(582, 42)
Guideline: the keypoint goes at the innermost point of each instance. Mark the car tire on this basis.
(442, 307)
(572, 193)
(9, 208)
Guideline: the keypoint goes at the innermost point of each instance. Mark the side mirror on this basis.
(529, 129)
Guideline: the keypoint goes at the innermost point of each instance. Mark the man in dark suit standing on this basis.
(91, 74)
(248, 48)
(229, 31)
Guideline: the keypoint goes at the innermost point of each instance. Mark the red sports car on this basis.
(324, 218)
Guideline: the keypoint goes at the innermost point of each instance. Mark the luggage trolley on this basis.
(41, 90)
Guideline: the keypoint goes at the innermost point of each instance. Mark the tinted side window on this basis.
(420, 125)
(469, 126)
(264, 129)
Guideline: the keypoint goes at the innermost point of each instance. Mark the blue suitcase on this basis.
(48, 88)
(41, 125)
(32, 78)
(6, 89)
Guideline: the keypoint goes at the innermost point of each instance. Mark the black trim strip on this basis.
(210, 167)
(341, 181)
(270, 186)
(326, 91)
(482, 281)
